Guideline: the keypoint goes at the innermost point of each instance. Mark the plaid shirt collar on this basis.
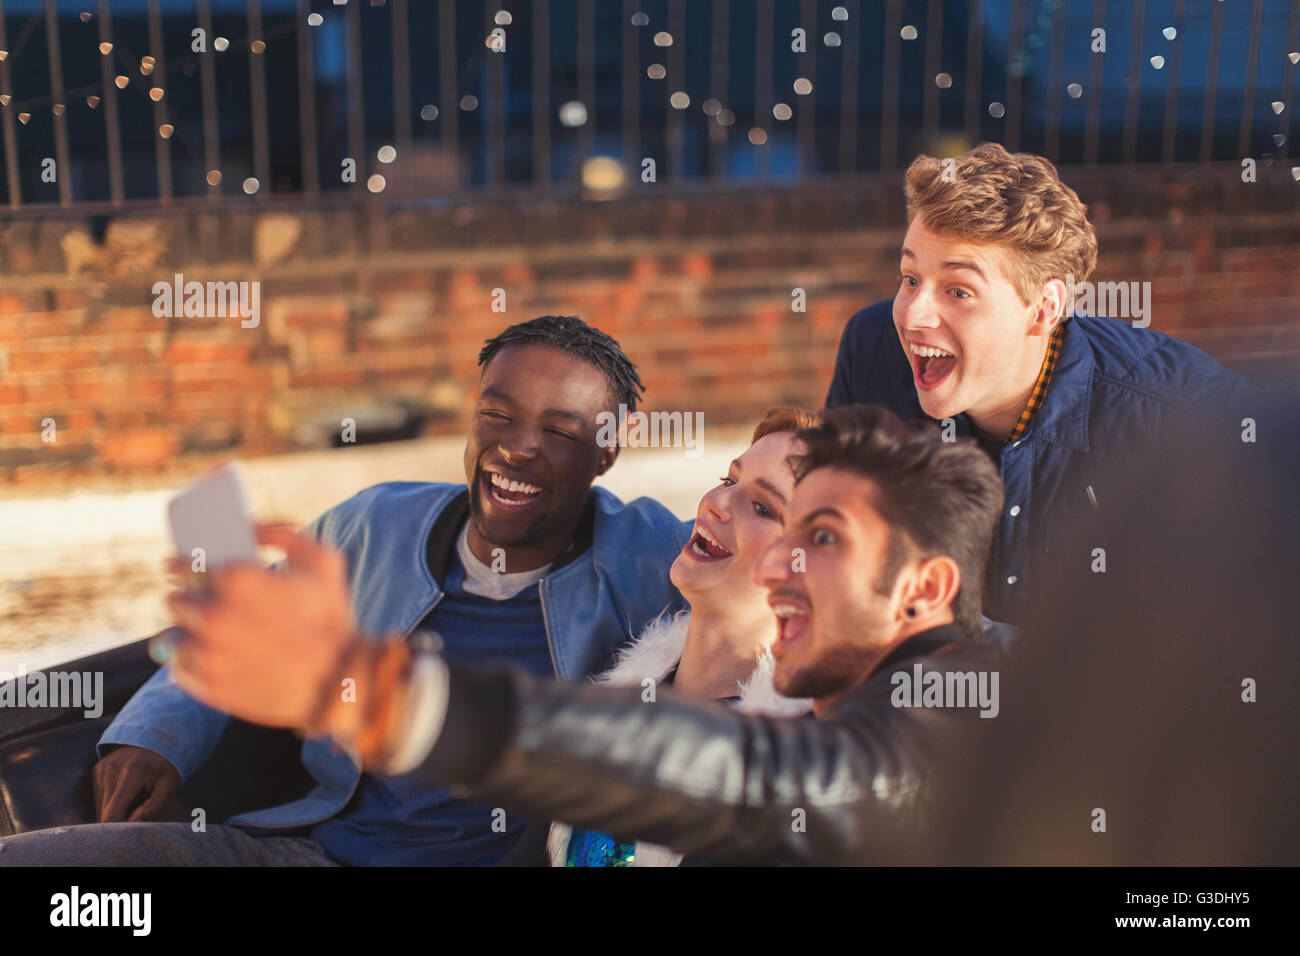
(1044, 379)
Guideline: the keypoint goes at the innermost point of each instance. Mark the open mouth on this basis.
(931, 365)
(509, 492)
(705, 546)
(791, 623)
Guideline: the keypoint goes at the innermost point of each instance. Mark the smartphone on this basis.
(209, 518)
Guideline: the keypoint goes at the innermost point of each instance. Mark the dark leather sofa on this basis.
(46, 757)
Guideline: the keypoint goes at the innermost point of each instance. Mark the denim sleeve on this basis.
(163, 718)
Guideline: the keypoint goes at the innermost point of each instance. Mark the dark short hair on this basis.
(937, 497)
(568, 333)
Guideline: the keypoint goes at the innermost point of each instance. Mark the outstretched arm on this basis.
(698, 777)
(695, 776)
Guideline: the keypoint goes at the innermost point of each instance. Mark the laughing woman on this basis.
(719, 649)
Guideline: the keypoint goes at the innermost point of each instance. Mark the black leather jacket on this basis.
(696, 776)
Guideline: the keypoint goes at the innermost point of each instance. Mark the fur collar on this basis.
(656, 652)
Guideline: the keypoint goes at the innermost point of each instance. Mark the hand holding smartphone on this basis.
(211, 527)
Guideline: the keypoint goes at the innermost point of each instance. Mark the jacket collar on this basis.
(921, 644)
(1063, 417)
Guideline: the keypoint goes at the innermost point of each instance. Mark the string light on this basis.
(572, 113)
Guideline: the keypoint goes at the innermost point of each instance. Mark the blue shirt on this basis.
(399, 821)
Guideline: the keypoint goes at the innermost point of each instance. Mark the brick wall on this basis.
(377, 312)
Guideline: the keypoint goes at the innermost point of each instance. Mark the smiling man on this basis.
(877, 573)
(980, 337)
(528, 565)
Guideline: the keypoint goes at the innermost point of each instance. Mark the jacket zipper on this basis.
(546, 626)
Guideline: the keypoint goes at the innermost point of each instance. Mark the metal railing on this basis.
(439, 99)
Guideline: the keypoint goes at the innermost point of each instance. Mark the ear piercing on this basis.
(911, 612)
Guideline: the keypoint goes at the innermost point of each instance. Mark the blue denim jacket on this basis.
(592, 604)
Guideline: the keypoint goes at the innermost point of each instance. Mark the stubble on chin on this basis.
(835, 671)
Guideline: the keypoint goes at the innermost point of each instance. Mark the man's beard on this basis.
(834, 672)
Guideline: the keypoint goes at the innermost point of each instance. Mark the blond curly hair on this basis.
(1015, 200)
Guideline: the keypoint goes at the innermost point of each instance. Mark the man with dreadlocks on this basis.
(525, 564)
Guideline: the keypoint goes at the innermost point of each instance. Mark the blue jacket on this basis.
(603, 592)
(1114, 390)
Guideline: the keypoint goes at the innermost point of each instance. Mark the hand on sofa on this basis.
(126, 774)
